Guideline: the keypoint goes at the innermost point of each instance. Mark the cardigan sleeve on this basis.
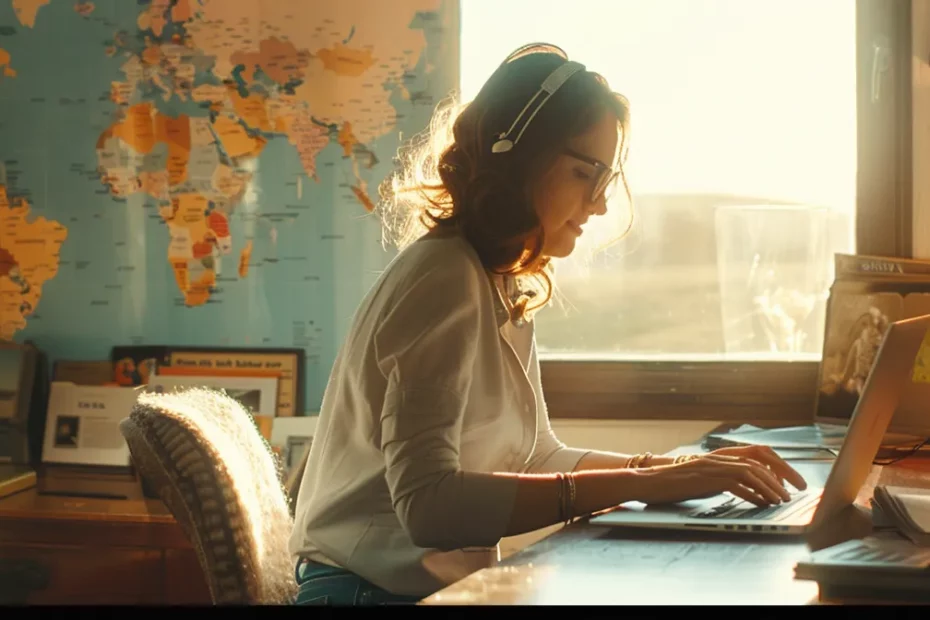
(426, 347)
(549, 455)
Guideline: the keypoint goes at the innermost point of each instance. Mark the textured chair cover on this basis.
(203, 455)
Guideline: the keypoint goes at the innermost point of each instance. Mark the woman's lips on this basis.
(575, 227)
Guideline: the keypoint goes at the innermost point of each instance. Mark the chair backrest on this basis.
(203, 455)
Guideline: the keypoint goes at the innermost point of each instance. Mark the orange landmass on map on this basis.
(154, 18)
(235, 139)
(218, 223)
(176, 132)
(120, 92)
(181, 11)
(31, 250)
(26, 11)
(155, 184)
(189, 211)
(5, 67)
(7, 262)
(347, 138)
(363, 198)
(198, 292)
(230, 183)
(180, 274)
(152, 54)
(244, 257)
(277, 58)
(202, 249)
(250, 109)
(84, 9)
(309, 139)
(143, 127)
(345, 60)
(195, 293)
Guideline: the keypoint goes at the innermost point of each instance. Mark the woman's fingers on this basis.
(770, 478)
(745, 472)
(778, 465)
(781, 468)
(759, 482)
(746, 493)
(765, 455)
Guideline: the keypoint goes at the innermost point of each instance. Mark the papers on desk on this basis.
(905, 509)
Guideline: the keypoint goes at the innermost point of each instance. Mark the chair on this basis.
(203, 455)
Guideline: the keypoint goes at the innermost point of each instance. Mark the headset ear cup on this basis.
(502, 146)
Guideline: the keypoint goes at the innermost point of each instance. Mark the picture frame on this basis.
(135, 365)
(294, 451)
(289, 437)
(82, 425)
(258, 395)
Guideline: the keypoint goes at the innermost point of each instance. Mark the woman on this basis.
(433, 440)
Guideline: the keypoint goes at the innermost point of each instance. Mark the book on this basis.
(880, 567)
(16, 478)
(905, 509)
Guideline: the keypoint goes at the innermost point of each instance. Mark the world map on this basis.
(203, 172)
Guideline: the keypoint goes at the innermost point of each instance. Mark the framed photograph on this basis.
(258, 395)
(82, 426)
(294, 450)
(284, 365)
(290, 437)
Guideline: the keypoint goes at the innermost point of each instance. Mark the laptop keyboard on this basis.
(737, 508)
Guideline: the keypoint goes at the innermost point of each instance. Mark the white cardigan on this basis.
(434, 389)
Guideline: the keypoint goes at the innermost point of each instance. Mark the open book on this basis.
(906, 509)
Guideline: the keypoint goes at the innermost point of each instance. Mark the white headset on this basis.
(552, 83)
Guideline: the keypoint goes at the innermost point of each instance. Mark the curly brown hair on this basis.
(450, 179)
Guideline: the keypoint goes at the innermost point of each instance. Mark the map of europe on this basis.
(203, 172)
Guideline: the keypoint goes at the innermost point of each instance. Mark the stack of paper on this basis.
(906, 509)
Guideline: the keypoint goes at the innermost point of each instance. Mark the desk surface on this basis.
(586, 564)
(84, 550)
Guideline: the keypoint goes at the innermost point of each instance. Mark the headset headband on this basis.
(552, 83)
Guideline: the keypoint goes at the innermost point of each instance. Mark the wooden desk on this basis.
(59, 550)
(584, 564)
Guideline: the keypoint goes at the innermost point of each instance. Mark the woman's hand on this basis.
(753, 473)
(769, 458)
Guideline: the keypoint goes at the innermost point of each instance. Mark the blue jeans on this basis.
(321, 584)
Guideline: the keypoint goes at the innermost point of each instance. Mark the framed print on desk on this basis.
(286, 365)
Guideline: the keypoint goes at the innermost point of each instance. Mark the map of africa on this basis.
(203, 172)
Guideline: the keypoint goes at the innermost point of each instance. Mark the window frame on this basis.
(766, 392)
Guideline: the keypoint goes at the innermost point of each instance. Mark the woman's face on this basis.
(564, 197)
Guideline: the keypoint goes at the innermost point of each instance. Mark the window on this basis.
(743, 165)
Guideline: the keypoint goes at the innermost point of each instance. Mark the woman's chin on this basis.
(562, 248)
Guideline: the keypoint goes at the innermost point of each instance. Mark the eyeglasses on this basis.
(605, 177)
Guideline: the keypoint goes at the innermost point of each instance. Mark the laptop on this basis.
(806, 509)
(910, 424)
